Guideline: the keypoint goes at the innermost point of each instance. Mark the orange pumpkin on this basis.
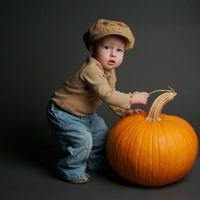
(152, 149)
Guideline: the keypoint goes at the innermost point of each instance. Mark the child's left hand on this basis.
(134, 111)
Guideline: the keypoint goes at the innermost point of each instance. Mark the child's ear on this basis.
(92, 49)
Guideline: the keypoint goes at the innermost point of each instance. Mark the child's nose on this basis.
(113, 53)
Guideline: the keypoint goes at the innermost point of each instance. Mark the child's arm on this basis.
(138, 98)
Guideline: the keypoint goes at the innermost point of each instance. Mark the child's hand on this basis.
(139, 98)
(134, 111)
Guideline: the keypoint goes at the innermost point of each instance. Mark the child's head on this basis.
(109, 51)
(103, 28)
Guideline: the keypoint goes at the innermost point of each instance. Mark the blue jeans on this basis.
(83, 140)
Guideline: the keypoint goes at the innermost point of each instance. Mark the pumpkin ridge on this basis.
(126, 147)
(159, 155)
(189, 133)
(120, 138)
(128, 142)
(141, 135)
(190, 138)
(136, 135)
(175, 168)
(184, 132)
(177, 143)
(153, 153)
(166, 139)
(150, 153)
(133, 138)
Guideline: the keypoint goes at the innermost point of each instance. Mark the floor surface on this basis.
(29, 174)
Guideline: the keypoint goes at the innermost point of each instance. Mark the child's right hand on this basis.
(139, 98)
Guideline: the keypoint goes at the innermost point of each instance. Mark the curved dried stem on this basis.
(159, 103)
(162, 90)
(158, 91)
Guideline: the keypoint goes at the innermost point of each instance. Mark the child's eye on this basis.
(120, 50)
(107, 47)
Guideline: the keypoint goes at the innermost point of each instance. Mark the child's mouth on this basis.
(111, 62)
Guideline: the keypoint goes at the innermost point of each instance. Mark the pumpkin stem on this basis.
(159, 103)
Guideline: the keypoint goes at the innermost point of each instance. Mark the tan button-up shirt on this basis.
(84, 91)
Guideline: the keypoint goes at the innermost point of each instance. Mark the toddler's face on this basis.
(109, 51)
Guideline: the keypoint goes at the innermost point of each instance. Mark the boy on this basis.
(72, 109)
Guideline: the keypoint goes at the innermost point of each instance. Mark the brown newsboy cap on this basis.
(104, 27)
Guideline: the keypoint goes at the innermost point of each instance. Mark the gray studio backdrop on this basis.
(42, 45)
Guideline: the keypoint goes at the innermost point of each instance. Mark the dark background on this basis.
(41, 45)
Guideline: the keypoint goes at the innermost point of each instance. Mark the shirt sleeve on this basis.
(119, 111)
(98, 81)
